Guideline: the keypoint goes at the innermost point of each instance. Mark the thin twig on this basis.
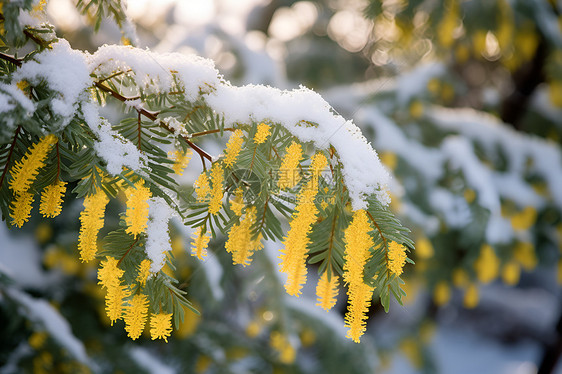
(126, 253)
(11, 59)
(153, 116)
(38, 41)
(114, 75)
(196, 134)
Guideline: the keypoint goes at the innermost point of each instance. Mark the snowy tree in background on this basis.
(461, 100)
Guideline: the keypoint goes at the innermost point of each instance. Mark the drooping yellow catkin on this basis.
(357, 245)
(22, 85)
(237, 204)
(262, 133)
(281, 344)
(25, 170)
(181, 160)
(21, 208)
(471, 296)
(160, 326)
(136, 215)
(91, 221)
(424, 248)
(441, 293)
(39, 7)
(37, 339)
(396, 257)
(135, 315)
(293, 255)
(327, 291)
(109, 273)
(358, 242)
(109, 276)
(202, 187)
(114, 302)
(525, 219)
(233, 147)
(51, 199)
(487, 265)
(460, 277)
(289, 174)
(144, 271)
(447, 25)
(240, 242)
(511, 273)
(200, 242)
(317, 163)
(217, 179)
(524, 253)
(360, 297)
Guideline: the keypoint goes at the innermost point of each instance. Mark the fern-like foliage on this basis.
(171, 107)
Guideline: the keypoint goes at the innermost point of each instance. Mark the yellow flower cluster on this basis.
(200, 243)
(136, 215)
(289, 174)
(460, 277)
(181, 160)
(448, 24)
(91, 221)
(217, 178)
(487, 264)
(396, 258)
(135, 315)
(281, 344)
(144, 271)
(22, 85)
(357, 245)
(25, 171)
(525, 219)
(524, 253)
(202, 187)
(441, 293)
(23, 174)
(160, 326)
(233, 147)
(263, 132)
(51, 199)
(240, 242)
(109, 276)
(471, 296)
(293, 256)
(237, 204)
(21, 208)
(327, 291)
(132, 309)
(511, 273)
(39, 7)
(424, 248)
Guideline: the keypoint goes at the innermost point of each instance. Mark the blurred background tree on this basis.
(463, 102)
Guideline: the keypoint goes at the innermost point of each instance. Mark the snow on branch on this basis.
(301, 111)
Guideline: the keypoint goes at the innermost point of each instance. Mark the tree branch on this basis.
(11, 59)
(196, 134)
(154, 117)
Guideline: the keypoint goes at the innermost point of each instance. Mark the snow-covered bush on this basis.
(289, 158)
